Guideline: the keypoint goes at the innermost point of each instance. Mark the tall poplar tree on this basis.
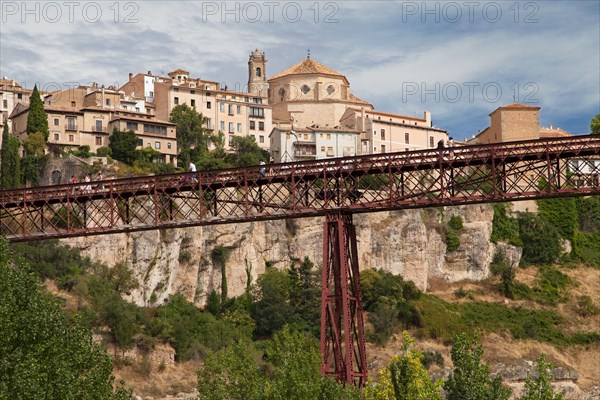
(37, 120)
(9, 168)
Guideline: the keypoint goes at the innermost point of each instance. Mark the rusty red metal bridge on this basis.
(334, 188)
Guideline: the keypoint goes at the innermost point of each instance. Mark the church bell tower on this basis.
(257, 74)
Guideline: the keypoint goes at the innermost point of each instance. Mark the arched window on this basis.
(330, 90)
(305, 89)
(258, 72)
(282, 94)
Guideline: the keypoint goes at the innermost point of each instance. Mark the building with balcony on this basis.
(312, 94)
(87, 116)
(233, 112)
(388, 133)
(312, 143)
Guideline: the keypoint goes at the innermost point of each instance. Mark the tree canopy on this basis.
(595, 125)
(37, 119)
(44, 354)
(10, 168)
(123, 146)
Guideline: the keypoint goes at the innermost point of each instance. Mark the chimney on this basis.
(130, 75)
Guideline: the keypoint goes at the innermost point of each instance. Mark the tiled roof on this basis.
(178, 71)
(547, 133)
(355, 99)
(308, 66)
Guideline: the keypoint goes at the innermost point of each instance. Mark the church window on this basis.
(305, 89)
(330, 89)
(258, 72)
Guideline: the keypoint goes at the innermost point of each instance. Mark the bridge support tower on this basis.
(342, 326)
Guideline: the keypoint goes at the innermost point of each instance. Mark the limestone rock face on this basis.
(407, 242)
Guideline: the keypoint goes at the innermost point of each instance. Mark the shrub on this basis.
(455, 222)
(184, 257)
(541, 240)
(584, 307)
(432, 357)
(452, 240)
(561, 214)
(104, 152)
(500, 267)
(503, 227)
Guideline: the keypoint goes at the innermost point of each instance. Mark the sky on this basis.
(460, 60)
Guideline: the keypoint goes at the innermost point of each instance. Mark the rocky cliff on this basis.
(410, 242)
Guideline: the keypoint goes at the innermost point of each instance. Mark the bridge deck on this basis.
(426, 178)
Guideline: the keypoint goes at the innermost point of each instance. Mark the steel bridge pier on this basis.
(342, 325)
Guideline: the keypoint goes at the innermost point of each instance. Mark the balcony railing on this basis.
(99, 129)
(70, 127)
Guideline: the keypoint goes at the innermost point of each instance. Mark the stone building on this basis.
(87, 115)
(310, 95)
(235, 113)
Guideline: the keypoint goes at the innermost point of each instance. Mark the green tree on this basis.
(305, 295)
(560, 213)
(470, 379)
(541, 240)
(502, 268)
(595, 125)
(44, 354)
(296, 363)
(231, 374)
(10, 169)
(271, 309)
(191, 133)
(538, 387)
(409, 377)
(246, 152)
(123, 146)
(37, 119)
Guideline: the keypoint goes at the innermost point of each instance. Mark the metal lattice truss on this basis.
(427, 178)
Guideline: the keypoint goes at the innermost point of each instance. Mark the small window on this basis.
(430, 141)
(56, 137)
(151, 94)
(56, 121)
(261, 139)
(98, 140)
(329, 136)
(222, 107)
(321, 135)
(208, 105)
(407, 138)
(306, 136)
(222, 125)
(239, 128)
(258, 72)
(192, 92)
(169, 146)
(383, 134)
(323, 149)
(72, 104)
(157, 145)
(261, 126)
(19, 96)
(140, 142)
(193, 102)
(5, 103)
(149, 144)
(176, 100)
(108, 102)
(282, 94)
(230, 109)
(239, 110)
(71, 138)
(98, 125)
(305, 89)
(252, 125)
(137, 109)
(383, 148)
(330, 90)
(231, 127)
